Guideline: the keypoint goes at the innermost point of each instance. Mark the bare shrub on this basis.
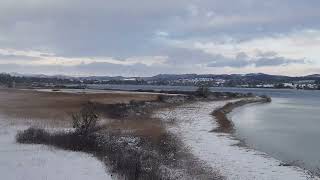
(203, 91)
(63, 140)
(123, 110)
(316, 172)
(162, 98)
(267, 98)
(32, 135)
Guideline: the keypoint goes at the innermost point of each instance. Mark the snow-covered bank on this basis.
(38, 162)
(193, 123)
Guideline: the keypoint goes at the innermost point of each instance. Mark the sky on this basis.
(149, 37)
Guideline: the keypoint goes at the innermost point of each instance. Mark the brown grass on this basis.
(56, 107)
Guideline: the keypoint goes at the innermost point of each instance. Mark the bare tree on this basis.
(85, 121)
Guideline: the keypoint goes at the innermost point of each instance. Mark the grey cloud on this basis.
(82, 28)
(9, 58)
(180, 56)
(276, 61)
(122, 29)
(242, 60)
(94, 69)
(267, 54)
(221, 61)
(273, 59)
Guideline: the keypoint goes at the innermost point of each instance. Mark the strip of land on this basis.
(224, 124)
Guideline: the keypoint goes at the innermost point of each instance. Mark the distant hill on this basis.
(313, 76)
(232, 79)
(251, 76)
(170, 76)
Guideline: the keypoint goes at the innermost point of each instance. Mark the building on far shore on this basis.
(265, 85)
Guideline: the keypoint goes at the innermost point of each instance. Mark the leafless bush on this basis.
(162, 98)
(32, 135)
(64, 140)
(123, 110)
(267, 98)
(203, 91)
(316, 172)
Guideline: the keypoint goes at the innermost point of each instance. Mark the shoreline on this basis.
(225, 125)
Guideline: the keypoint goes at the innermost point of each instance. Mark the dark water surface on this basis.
(288, 128)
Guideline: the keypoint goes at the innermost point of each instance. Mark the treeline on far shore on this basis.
(61, 82)
(9, 81)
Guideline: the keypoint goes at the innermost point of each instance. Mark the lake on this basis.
(287, 129)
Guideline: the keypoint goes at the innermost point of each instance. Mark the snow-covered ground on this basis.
(39, 162)
(193, 123)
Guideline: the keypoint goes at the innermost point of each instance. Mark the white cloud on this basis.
(28, 53)
(162, 33)
(303, 44)
(37, 58)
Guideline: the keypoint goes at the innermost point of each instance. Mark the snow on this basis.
(39, 162)
(193, 123)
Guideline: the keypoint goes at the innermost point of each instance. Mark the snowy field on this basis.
(38, 162)
(193, 123)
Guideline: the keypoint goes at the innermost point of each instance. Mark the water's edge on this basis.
(226, 125)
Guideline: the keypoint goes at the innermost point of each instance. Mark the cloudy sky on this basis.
(148, 37)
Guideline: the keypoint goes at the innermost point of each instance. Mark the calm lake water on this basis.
(287, 129)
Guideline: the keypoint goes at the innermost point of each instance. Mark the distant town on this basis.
(259, 80)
